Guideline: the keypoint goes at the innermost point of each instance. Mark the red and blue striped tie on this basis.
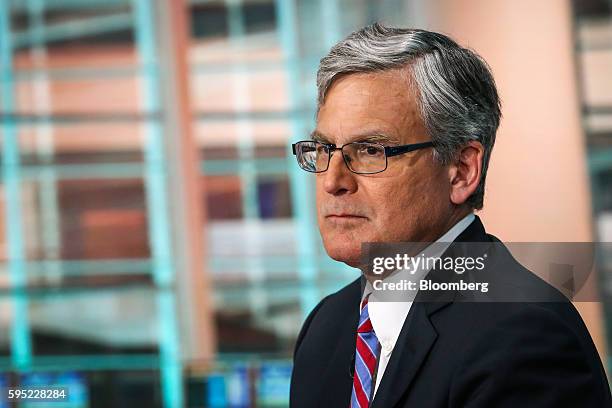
(368, 349)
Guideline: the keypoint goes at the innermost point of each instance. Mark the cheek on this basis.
(406, 209)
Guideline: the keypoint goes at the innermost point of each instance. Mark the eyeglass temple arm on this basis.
(396, 150)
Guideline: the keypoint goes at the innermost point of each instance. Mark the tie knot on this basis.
(364, 302)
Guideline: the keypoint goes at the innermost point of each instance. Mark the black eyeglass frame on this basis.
(390, 151)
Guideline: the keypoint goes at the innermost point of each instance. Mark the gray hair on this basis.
(456, 92)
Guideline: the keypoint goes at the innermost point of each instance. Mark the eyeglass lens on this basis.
(360, 157)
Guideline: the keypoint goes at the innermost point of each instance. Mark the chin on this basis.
(348, 255)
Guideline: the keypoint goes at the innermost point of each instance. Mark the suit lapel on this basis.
(415, 340)
(337, 379)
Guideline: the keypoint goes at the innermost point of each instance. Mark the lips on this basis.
(345, 216)
(341, 212)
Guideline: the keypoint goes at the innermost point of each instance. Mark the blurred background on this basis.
(159, 245)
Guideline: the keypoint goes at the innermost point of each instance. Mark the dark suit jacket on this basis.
(458, 354)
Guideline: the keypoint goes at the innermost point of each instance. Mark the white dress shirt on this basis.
(388, 317)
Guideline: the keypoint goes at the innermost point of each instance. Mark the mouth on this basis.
(345, 217)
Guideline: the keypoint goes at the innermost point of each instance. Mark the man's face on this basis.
(409, 201)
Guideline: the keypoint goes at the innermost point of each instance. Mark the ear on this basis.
(465, 172)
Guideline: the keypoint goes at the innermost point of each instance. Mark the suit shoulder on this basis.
(512, 282)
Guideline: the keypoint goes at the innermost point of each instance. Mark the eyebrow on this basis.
(370, 136)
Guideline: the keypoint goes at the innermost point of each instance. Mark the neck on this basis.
(455, 217)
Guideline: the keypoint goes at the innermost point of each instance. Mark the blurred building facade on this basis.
(159, 239)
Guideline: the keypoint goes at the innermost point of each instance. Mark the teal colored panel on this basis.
(88, 362)
(158, 215)
(21, 348)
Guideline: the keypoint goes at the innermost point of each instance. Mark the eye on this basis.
(322, 149)
(370, 150)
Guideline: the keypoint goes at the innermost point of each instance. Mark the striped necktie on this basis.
(368, 349)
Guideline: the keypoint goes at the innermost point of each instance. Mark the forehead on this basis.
(367, 104)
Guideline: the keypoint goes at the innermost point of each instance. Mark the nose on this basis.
(338, 179)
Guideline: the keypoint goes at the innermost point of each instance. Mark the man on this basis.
(405, 127)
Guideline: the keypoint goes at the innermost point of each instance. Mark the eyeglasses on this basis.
(360, 157)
